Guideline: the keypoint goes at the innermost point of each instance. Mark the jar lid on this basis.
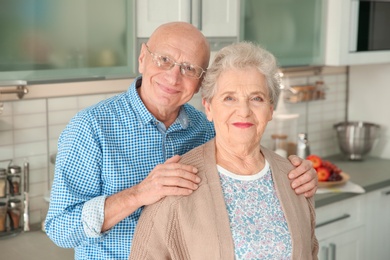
(14, 169)
(13, 203)
(279, 136)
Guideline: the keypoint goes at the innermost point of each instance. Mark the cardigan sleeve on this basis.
(149, 241)
(158, 234)
(314, 241)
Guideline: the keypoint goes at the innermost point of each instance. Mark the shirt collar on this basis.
(143, 113)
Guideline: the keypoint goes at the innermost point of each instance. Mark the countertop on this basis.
(371, 173)
(32, 245)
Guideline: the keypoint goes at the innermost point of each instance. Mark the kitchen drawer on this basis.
(339, 217)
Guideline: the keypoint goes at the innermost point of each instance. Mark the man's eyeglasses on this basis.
(167, 63)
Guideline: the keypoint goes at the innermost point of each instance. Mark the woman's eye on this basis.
(258, 99)
(228, 98)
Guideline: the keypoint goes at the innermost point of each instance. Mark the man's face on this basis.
(168, 89)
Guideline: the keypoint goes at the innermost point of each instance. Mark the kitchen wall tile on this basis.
(55, 131)
(21, 107)
(29, 135)
(7, 109)
(38, 162)
(6, 152)
(30, 149)
(29, 121)
(65, 103)
(61, 116)
(6, 138)
(86, 101)
(38, 176)
(38, 189)
(6, 122)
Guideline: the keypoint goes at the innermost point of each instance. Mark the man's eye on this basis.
(188, 67)
(164, 60)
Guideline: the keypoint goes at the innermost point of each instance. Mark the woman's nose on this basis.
(243, 108)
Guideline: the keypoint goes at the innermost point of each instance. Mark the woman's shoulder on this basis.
(200, 155)
(276, 161)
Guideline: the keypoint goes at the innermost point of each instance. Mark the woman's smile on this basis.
(243, 124)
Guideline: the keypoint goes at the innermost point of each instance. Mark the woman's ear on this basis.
(271, 113)
(207, 109)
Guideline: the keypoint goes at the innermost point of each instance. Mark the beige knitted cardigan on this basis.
(197, 226)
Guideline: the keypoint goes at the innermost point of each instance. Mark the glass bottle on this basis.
(280, 144)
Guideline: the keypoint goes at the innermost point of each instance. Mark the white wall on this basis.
(369, 100)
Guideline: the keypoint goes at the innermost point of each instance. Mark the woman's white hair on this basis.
(243, 55)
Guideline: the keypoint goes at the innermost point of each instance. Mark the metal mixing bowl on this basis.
(356, 138)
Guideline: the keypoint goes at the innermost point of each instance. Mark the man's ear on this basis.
(141, 59)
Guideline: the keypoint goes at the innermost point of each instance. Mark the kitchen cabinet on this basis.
(340, 230)
(346, 246)
(378, 224)
(292, 30)
(58, 41)
(341, 29)
(215, 18)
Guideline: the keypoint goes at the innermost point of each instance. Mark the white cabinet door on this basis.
(378, 224)
(219, 18)
(215, 18)
(344, 246)
(152, 13)
(340, 37)
(340, 229)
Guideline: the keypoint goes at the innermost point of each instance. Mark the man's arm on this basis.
(170, 178)
(304, 176)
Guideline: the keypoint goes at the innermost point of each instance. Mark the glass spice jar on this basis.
(3, 182)
(14, 213)
(3, 216)
(14, 172)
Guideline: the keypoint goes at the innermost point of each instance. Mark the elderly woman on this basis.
(244, 207)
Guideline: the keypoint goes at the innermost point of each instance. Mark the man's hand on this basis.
(304, 176)
(170, 178)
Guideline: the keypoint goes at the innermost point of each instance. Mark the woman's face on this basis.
(240, 108)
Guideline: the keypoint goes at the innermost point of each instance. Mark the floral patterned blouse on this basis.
(257, 221)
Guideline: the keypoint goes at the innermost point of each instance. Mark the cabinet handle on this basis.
(333, 220)
(325, 252)
(199, 4)
(332, 247)
(200, 16)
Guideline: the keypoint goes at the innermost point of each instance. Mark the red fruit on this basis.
(315, 159)
(323, 174)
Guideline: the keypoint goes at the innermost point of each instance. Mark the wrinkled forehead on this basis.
(183, 44)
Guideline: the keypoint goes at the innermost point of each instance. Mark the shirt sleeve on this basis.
(76, 208)
(92, 216)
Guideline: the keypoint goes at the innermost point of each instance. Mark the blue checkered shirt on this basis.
(105, 149)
